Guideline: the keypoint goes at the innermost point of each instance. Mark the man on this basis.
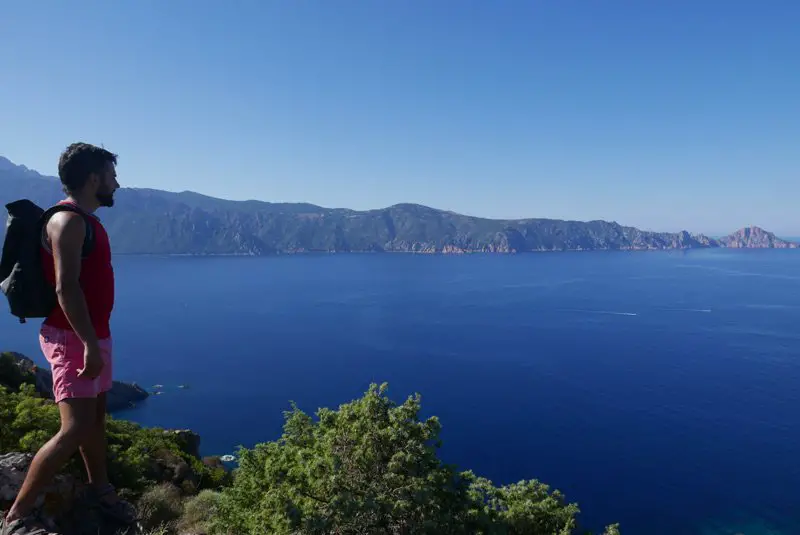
(76, 338)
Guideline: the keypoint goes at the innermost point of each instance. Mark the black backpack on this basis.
(22, 278)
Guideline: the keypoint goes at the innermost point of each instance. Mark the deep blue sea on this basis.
(660, 390)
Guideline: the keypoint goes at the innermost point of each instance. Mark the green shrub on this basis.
(27, 420)
(198, 512)
(371, 467)
(160, 506)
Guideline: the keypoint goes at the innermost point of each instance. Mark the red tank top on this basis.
(96, 279)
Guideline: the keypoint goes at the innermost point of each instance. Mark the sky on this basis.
(666, 115)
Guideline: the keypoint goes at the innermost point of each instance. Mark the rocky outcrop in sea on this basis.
(121, 396)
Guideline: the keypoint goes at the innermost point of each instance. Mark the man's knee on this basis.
(70, 436)
(78, 419)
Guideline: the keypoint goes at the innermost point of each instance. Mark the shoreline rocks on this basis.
(121, 396)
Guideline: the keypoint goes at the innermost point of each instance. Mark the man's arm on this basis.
(67, 231)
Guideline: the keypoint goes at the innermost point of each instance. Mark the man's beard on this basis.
(105, 198)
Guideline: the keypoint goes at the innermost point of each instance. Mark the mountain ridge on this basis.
(152, 221)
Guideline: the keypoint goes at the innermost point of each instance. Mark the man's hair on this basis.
(80, 160)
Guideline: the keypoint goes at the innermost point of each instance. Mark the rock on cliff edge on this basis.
(62, 505)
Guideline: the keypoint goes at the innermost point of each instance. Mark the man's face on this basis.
(106, 185)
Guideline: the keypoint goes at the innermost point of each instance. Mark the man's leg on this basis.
(77, 417)
(93, 446)
(93, 449)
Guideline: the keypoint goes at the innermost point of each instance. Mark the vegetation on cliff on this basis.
(139, 457)
(369, 467)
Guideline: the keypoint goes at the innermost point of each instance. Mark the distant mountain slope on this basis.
(756, 238)
(148, 221)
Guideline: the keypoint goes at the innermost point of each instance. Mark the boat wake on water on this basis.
(698, 310)
(619, 313)
(608, 312)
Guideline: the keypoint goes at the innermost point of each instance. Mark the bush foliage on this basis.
(371, 467)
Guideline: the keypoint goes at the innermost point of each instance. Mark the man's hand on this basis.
(92, 362)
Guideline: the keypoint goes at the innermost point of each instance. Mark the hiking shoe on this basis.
(29, 525)
(120, 510)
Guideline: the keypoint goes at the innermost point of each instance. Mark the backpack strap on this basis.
(88, 240)
(10, 244)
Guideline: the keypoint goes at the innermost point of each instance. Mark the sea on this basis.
(659, 390)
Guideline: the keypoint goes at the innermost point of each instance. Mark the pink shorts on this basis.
(64, 351)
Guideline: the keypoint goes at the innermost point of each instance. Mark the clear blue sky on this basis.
(665, 115)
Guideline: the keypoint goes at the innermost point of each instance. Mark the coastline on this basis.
(454, 253)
